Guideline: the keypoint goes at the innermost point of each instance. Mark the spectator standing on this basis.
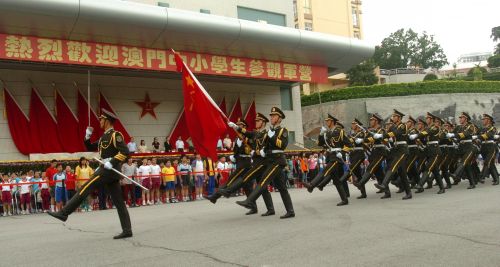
(25, 193)
(142, 147)
(129, 169)
(168, 173)
(179, 144)
(156, 145)
(6, 195)
(189, 142)
(36, 197)
(199, 175)
(312, 164)
(60, 192)
(304, 169)
(144, 172)
(166, 145)
(83, 172)
(321, 162)
(132, 146)
(228, 144)
(185, 172)
(155, 182)
(219, 145)
(70, 183)
(209, 168)
(223, 170)
(45, 193)
(50, 172)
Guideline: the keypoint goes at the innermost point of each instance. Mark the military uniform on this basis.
(273, 164)
(112, 149)
(357, 155)
(378, 154)
(413, 153)
(489, 150)
(337, 144)
(398, 156)
(447, 150)
(467, 150)
(257, 139)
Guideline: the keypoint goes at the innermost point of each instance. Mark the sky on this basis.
(459, 26)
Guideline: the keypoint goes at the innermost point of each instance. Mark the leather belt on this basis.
(379, 145)
(465, 141)
(410, 146)
(443, 145)
(401, 143)
(244, 156)
(433, 142)
(358, 148)
(277, 151)
(451, 145)
(335, 149)
(489, 142)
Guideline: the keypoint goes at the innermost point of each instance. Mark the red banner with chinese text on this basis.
(27, 48)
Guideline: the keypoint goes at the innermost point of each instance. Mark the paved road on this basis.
(459, 228)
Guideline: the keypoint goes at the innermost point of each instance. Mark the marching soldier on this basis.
(378, 154)
(335, 141)
(413, 153)
(257, 139)
(357, 155)
(464, 133)
(447, 147)
(398, 156)
(489, 148)
(114, 152)
(273, 164)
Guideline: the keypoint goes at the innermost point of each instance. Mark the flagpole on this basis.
(88, 95)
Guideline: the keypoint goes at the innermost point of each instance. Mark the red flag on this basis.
(19, 124)
(104, 104)
(83, 119)
(222, 106)
(179, 129)
(43, 126)
(204, 119)
(236, 114)
(250, 116)
(67, 126)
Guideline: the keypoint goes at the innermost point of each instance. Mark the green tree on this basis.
(406, 48)
(430, 77)
(474, 71)
(494, 61)
(362, 74)
(495, 35)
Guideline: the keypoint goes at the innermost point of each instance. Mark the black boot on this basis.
(408, 195)
(385, 182)
(308, 186)
(342, 194)
(363, 192)
(386, 195)
(288, 215)
(213, 198)
(439, 182)
(252, 211)
(58, 215)
(124, 234)
(268, 213)
(494, 174)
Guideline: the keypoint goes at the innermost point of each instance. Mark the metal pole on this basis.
(88, 95)
(122, 175)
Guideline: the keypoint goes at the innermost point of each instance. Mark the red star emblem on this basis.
(147, 106)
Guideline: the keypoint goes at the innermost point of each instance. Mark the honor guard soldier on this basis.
(413, 152)
(334, 139)
(357, 155)
(464, 133)
(377, 156)
(257, 139)
(489, 149)
(114, 152)
(398, 156)
(446, 145)
(273, 164)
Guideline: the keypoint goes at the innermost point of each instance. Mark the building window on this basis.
(355, 17)
(308, 26)
(291, 137)
(163, 4)
(307, 7)
(205, 11)
(286, 98)
(261, 16)
(357, 35)
(295, 12)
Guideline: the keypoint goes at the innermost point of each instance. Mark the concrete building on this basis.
(335, 17)
(464, 63)
(129, 56)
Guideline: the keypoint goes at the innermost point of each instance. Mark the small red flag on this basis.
(222, 105)
(204, 119)
(250, 116)
(236, 114)
(67, 126)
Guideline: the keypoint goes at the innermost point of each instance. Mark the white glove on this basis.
(323, 130)
(413, 136)
(450, 135)
(358, 141)
(377, 136)
(232, 158)
(262, 153)
(391, 140)
(106, 160)
(88, 133)
(474, 137)
(239, 142)
(108, 166)
(270, 133)
(339, 155)
(496, 136)
(233, 125)
(252, 153)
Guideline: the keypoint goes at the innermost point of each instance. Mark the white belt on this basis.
(358, 148)
(443, 145)
(451, 145)
(335, 149)
(410, 146)
(277, 151)
(379, 145)
(401, 143)
(244, 156)
(433, 142)
(465, 141)
(489, 142)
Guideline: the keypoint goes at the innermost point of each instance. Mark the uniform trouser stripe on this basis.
(431, 168)
(330, 169)
(233, 177)
(468, 157)
(411, 163)
(396, 166)
(268, 175)
(88, 184)
(252, 173)
(376, 164)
